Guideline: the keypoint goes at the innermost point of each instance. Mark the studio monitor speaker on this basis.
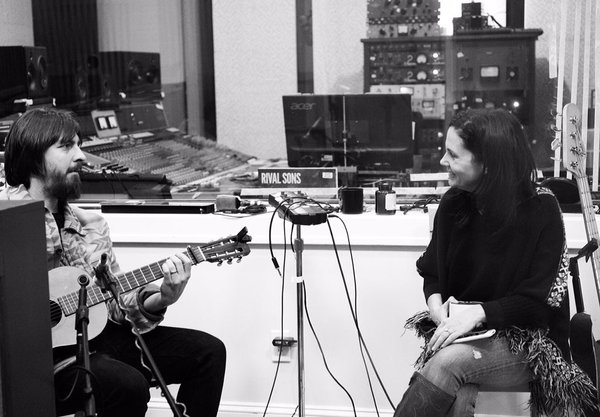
(23, 72)
(135, 74)
(26, 369)
(89, 84)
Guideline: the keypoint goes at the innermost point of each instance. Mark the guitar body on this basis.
(63, 280)
(585, 350)
(584, 347)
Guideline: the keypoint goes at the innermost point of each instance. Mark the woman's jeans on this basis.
(460, 368)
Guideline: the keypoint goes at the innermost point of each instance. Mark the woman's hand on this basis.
(439, 311)
(451, 328)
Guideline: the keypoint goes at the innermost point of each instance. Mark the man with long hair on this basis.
(42, 162)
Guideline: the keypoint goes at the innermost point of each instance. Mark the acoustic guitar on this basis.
(64, 286)
(584, 347)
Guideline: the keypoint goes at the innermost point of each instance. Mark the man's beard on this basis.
(63, 187)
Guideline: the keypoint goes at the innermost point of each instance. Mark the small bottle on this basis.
(385, 199)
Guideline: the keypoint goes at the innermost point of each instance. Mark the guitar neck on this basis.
(591, 228)
(136, 278)
(217, 251)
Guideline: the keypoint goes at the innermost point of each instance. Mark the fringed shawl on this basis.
(556, 385)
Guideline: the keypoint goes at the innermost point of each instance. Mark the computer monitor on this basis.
(372, 132)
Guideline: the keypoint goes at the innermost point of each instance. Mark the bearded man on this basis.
(42, 162)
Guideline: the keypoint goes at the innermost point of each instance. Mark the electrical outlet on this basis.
(286, 352)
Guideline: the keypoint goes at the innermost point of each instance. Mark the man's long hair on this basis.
(29, 138)
(497, 140)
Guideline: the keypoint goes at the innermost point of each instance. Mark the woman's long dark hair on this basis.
(29, 138)
(497, 140)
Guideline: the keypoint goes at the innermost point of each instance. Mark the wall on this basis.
(253, 71)
(338, 27)
(543, 14)
(16, 23)
(255, 64)
(149, 26)
(144, 26)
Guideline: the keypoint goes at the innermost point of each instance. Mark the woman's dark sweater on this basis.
(519, 274)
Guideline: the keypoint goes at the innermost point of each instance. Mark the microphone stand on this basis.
(83, 350)
(345, 132)
(299, 248)
(108, 283)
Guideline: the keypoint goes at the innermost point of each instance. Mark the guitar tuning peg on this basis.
(219, 263)
(229, 261)
(555, 144)
(238, 260)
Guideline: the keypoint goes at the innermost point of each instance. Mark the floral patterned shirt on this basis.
(80, 243)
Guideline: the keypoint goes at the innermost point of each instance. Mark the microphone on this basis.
(82, 310)
(83, 280)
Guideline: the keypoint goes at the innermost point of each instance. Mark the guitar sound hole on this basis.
(55, 313)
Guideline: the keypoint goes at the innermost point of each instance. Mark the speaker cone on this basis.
(136, 72)
(81, 85)
(42, 73)
(32, 77)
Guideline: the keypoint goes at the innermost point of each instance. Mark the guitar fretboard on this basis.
(125, 282)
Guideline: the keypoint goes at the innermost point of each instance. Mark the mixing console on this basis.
(182, 159)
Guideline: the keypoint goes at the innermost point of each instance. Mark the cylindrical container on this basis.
(385, 199)
(351, 200)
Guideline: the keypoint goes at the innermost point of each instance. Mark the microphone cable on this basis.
(362, 344)
(81, 369)
(276, 265)
(353, 309)
(120, 180)
(281, 322)
(322, 352)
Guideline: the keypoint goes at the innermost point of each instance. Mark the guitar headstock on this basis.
(573, 148)
(227, 249)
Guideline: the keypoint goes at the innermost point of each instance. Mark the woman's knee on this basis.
(447, 367)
